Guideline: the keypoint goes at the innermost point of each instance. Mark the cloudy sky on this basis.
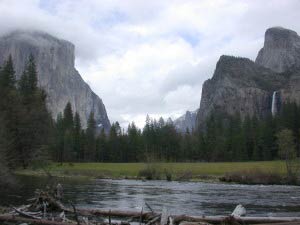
(151, 57)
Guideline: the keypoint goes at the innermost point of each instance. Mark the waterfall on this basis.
(274, 104)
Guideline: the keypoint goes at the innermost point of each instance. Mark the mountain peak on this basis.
(57, 74)
(35, 37)
(281, 51)
(186, 121)
(232, 66)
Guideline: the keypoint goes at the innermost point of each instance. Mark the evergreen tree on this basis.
(134, 143)
(59, 137)
(91, 153)
(77, 148)
(102, 147)
(35, 124)
(68, 117)
(7, 77)
(115, 152)
(32, 74)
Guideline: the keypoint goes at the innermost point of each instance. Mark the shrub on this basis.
(168, 174)
(253, 177)
(150, 172)
(186, 176)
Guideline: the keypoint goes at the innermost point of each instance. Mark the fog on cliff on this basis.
(145, 57)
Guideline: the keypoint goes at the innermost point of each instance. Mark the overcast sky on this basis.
(151, 57)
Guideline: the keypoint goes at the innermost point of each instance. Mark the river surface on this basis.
(193, 198)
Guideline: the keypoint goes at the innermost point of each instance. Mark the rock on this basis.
(281, 51)
(59, 191)
(241, 86)
(238, 86)
(186, 121)
(239, 211)
(56, 73)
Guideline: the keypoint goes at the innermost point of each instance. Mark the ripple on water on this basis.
(180, 197)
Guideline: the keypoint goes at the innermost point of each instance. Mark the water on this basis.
(179, 197)
(274, 103)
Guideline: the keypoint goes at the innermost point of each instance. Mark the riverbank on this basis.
(211, 172)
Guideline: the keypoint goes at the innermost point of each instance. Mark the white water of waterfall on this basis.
(274, 104)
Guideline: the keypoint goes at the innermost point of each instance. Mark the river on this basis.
(193, 198)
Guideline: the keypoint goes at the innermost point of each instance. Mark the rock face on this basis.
(281, 51)
(186, 121)
(241, 86)
(56, 73)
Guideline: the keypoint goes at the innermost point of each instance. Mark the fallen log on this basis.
(194, 223)
(17, 219)
(112, 213)
(154, 220)
(24, 214)
(284, 223)
(218, 219)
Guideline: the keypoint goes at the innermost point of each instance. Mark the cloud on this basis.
(151, 57)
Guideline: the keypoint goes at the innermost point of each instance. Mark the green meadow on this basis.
(177, 170)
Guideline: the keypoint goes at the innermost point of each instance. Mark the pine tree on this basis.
(78, 151)
(68, 117)
(114, 152)
(7, 77)
(32, 74)
(91, 153)
(134, 143)
(59, 139)
(102, 147)
(9, 111)
(35, 119)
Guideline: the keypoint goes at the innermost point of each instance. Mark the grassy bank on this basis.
(173, 171)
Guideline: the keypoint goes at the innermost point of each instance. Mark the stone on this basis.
(281, 51)
(238, 86)
(241, 86)
(186, 121)
(57, 74)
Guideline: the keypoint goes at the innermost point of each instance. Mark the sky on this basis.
(151, 57)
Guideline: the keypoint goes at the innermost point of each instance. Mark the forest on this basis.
(30, 135)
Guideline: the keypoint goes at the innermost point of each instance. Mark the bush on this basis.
(253, 177)
(150, 172)
(186, 176)
(168, 174)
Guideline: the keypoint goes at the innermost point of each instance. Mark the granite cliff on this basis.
(186, 121)
(241, 86)
(281, 51)
(56, 73)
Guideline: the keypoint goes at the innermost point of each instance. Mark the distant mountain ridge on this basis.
(241, 86)
(56, 73)
(186, 121)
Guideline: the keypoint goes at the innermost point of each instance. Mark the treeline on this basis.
(226, 138)
(157, 141)
(28, 133)
(229, 138)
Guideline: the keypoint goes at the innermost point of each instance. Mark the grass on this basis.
(193, 171)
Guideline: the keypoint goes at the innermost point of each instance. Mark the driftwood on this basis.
(219, 219)
(17, 219)
(164, 216)
(112, 213)
(154, 220)
(195, 223)
(284, 223)
(45, 203)
(24, 214)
